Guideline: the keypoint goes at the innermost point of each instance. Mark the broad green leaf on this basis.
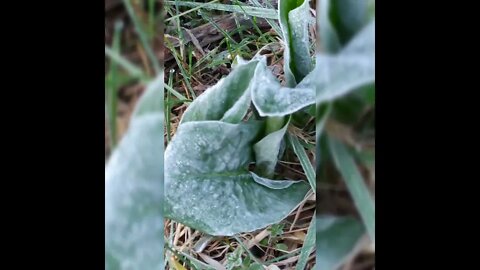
(348, 17)
(336, 238)
(152, 100)
(327, 34)
(271, 99)
(337, 75)
(208, 186)
(334, 76)
(228, 100)
(355, 183)
(294, 18)
(134, 190)
(308, 246)
(267, 151)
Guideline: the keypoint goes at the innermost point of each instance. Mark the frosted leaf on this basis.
(340, 21)
(299, 19)
(274, 184)
(267, 151)
(337, 75)
(208, 186)
(333, 77)
(272, 99)
(336, 238)
(294, 19)
(134, 189)
(228, 100)
(152, 100)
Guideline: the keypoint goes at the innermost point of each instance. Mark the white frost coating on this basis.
(273, 184)
(271, 99)
(208, 187)
(238, 111)
(353, 67)
(152, 100)
(329, 40)
(334, 76)
(267, 150)
(239, 61)
(294, 25)
(299, 20)
(336, 240)
(133, 197)
(286, 39)
(134, 189)
(228, 100)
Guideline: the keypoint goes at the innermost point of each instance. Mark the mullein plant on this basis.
(207, 183)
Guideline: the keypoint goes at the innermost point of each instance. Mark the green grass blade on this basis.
(178, 3)
(261, 36)
(180, 33)
(275, 26)
(167, 110)
(112, 87)
(283, 257)
(240, 242)
(308, 246)
(133, 70)
(244, 9)
(175, 93)
(355, 184)
(304, 160)
(143, 36)
(221, 30)
(183, 72)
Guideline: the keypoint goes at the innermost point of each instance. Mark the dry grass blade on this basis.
(215, 264)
